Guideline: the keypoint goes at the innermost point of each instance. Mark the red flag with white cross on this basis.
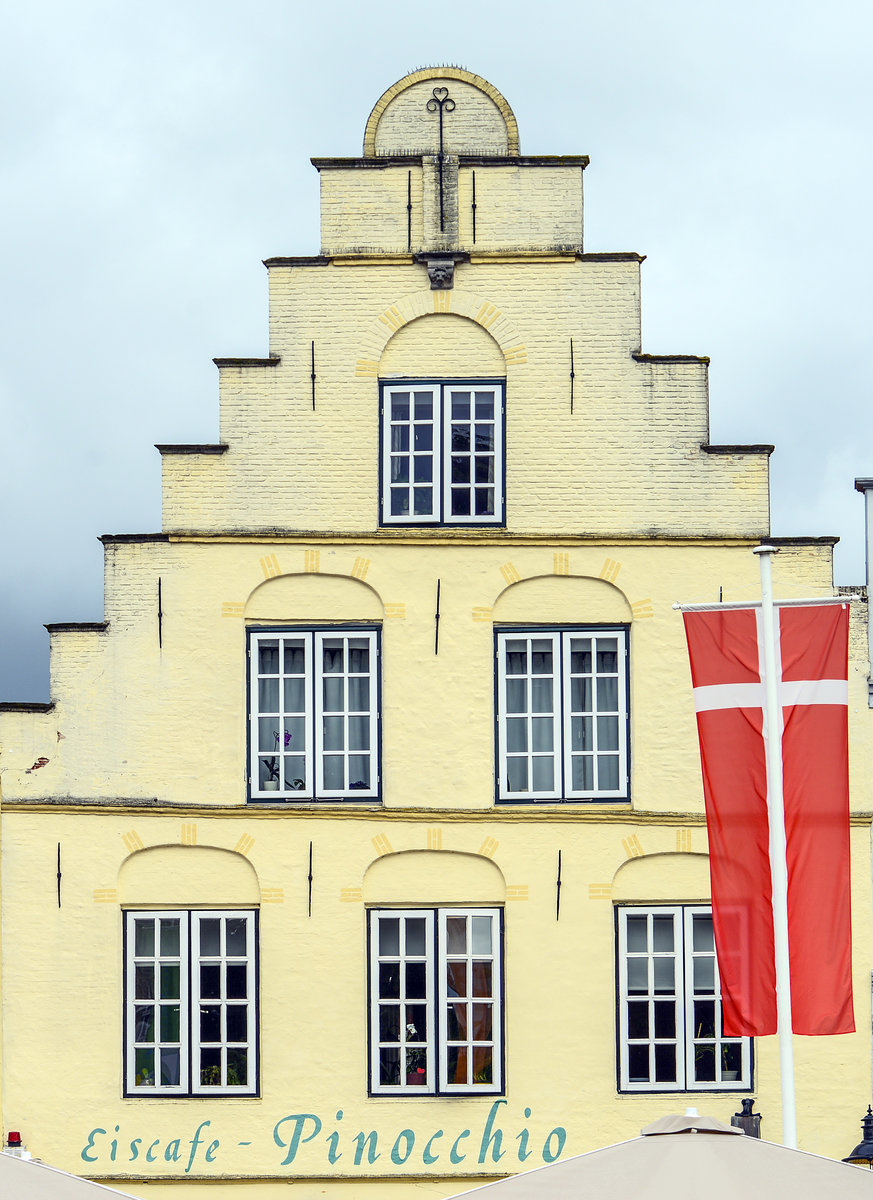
(725, 645)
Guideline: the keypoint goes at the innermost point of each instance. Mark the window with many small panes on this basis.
(562, 716)
(190, 1004)
(313, 708)
(435, 1004)
(671, 1036)
(442, 453)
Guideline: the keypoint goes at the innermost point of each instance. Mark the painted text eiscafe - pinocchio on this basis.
(295, 1131)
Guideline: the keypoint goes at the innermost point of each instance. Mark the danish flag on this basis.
(725, 645)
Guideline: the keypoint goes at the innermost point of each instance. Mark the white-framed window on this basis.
(190, 1003)
(436, 1023)
(671, 1037)
(562, 714)
(442, 453)
(314, 713)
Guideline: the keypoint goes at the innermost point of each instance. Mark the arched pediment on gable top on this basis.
(187, 877)
(400, 120)
(562, 600)
(663, 879)
(433, 877)
(313, 597)
(442, 346)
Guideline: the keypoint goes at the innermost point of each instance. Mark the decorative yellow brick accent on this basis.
(421, 303)
(105, 895)
(483, 612)
(642, 609)
(435, 838)
(244, 844)
(489, 847)
(560, 563)
(233, 608)
(351, 895)
(132, 841)
(599, 891)
(189, 833)
(610, 569)
(487, 315)
(392, 318)
(270, 566)
(396, 611)
(361, 567)
(517, 891)
(383, 846)
(312, 561)
(632, 846)
(272, 895)
(510, 573)
(442, 301)
(683, 841)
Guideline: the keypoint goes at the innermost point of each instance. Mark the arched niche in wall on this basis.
(433, 877)
(313, 597)
(663, 879)
(187, 877)
(442, 346)
(562, 600)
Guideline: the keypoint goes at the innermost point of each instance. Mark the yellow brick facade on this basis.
(131, 792)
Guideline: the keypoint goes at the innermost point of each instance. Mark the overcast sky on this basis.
(154, 154)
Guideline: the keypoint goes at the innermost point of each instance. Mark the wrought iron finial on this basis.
(441, 102)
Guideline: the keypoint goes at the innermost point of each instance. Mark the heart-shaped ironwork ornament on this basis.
(441, 101)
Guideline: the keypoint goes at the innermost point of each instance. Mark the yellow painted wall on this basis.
(517, 207)
(627, 461)
(530, 208)
(560, 983)
(368, 209)
(169, 722)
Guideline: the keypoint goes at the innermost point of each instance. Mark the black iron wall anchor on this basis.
(441, 102)
(409, 210)
(312, 374)
(572, 376)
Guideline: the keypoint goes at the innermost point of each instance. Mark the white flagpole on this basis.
(778, 858)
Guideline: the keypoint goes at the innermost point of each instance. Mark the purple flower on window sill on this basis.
(272, 763)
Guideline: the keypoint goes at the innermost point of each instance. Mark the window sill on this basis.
(560, 801)
(285, 801)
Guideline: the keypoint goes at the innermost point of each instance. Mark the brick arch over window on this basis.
(186, 876)
(314, 596)
(562, 599)
(442, 346)
(433, 877)
(669, 877)
(422, 303)
(381, 141)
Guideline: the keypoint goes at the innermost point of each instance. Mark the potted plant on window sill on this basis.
(728, 1074)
